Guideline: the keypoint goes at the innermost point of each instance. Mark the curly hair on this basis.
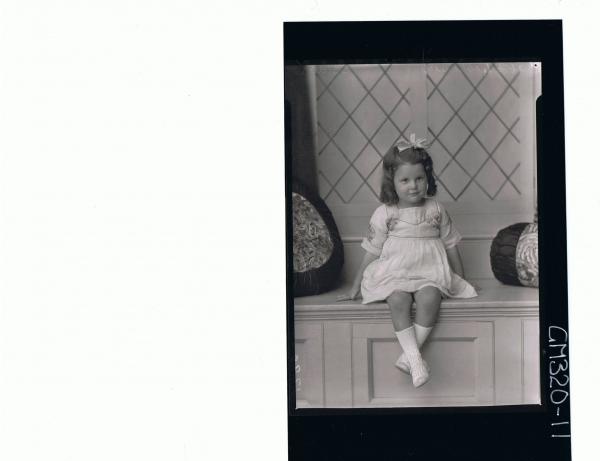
(393, 159)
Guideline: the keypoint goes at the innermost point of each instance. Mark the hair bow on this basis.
(413, 142)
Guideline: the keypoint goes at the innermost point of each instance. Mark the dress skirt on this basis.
(409, 264)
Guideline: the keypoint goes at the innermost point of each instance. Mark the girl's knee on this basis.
(400, 300)
(428, 305)
(429, 295)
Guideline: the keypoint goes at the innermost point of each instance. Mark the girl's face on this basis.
(410, 182)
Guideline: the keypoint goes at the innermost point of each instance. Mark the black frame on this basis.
(497, 432)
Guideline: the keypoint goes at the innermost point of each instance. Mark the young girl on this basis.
(411, 254)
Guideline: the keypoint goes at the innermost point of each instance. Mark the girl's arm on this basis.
(451, 237)
(373, 245)
(457, 266)
(455, 261)
(354, 292)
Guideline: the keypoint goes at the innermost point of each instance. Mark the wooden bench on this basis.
(483, 351)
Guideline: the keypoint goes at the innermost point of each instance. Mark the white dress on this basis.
(411, 244)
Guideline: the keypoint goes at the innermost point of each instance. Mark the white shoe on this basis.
(403, 365)
(419, 374)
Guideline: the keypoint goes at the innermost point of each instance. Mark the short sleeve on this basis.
(377, 233)
(448, 233)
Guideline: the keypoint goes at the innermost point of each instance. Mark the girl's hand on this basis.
(353, 294)
(474, 285)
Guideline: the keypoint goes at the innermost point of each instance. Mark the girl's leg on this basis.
(428, 300)
(400, 304)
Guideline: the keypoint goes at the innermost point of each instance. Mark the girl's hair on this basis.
(393, 159)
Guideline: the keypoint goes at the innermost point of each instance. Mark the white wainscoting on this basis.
(310, 387)
(459, 356)
(483, 351)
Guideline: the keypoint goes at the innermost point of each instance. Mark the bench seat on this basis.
(494, 298)
(491, 294)
(482, 351)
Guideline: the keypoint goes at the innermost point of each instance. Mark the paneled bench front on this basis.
(483, 351)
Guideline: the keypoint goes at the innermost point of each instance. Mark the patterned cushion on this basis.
(317, 251)
(527, 256)
(312, 243)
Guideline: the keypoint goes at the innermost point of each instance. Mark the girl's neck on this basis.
(402, 204)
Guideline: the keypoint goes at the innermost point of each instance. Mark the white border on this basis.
(126, 260)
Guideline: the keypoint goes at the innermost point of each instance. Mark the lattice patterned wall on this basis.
(475, 120)
(361, 111)
(479, 118)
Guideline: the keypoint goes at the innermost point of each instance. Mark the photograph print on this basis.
(414, 233)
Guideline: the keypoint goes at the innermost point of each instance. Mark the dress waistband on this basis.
(413, 238)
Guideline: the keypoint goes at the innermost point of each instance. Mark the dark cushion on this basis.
(514, 255)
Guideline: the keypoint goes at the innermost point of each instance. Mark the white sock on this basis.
(421, 333)
(418, 370)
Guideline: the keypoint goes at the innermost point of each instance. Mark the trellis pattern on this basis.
(362, 111)
(472, 117)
